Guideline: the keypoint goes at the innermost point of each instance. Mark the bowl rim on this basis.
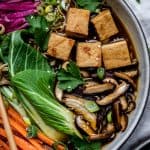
(147, 60)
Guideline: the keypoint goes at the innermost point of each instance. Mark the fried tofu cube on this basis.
(105, 25)
(89, 54)
(77, 22)
(116, 55)
(60, 47)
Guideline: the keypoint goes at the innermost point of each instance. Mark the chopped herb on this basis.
(32, 131)
(70, 78)
(91, 5)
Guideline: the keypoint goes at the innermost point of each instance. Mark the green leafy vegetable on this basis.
(84, 144)
(40, 95)
(22, 56)
(4, 47)
(139, 1)
(91, 106)
(47, 130)
(91, 5)
(32, 131)
(101, 73)
(70, 78)
(39, 28)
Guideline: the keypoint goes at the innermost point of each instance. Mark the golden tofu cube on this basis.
(105, 25)
(60, 47)
(77, 22)
(89, 54)
(116, 55)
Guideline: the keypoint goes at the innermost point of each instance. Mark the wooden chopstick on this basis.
(7, 127)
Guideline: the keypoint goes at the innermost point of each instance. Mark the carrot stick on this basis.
(6, 124)
(15, 115)
(3, 145)
(23, 132)
(21, 143)
(48, 141)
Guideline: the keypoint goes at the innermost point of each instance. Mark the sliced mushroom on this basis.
(131, 73)
(124, 103)
(90, 83)
(117, 117)
(111, 80)
(85, 74)
(100, 136)
(125, 77)
(123, 122)
(77, 106)
(131, 107)
(84, 126)
(120, 90)
(58, 93)
(130, 97)
(110, 128)
(4, 81)
(108, 131)
(98, 88)
(64, 65)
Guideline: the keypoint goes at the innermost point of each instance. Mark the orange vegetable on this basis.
(21, 143)
(3, 145)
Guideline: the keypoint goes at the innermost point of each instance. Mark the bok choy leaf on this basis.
(22, 56)
(37, 86)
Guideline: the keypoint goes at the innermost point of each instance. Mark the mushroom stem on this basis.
(121, 89)
(84, 126)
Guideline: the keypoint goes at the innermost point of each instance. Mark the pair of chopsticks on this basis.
(7, 127)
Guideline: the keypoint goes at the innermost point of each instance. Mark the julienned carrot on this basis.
(48, 141)
(21, 143)
(23, 132)
(15, 115)
(3, 145)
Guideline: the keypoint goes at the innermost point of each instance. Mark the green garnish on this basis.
(91, 5)
(70, 78)
(91, 106)
(109, 117)
(32, 131)
(101, 73)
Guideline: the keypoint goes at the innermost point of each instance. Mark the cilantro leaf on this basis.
(84, 144)
(39, 28)
(91, 5)
(70, 78)
(32, 131)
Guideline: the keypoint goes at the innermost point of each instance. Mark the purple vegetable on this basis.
(13, 13)
(18, 14)
(18, 6)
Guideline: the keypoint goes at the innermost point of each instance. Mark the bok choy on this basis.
(37, 86)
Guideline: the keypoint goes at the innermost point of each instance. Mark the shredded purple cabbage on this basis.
(13, 13)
